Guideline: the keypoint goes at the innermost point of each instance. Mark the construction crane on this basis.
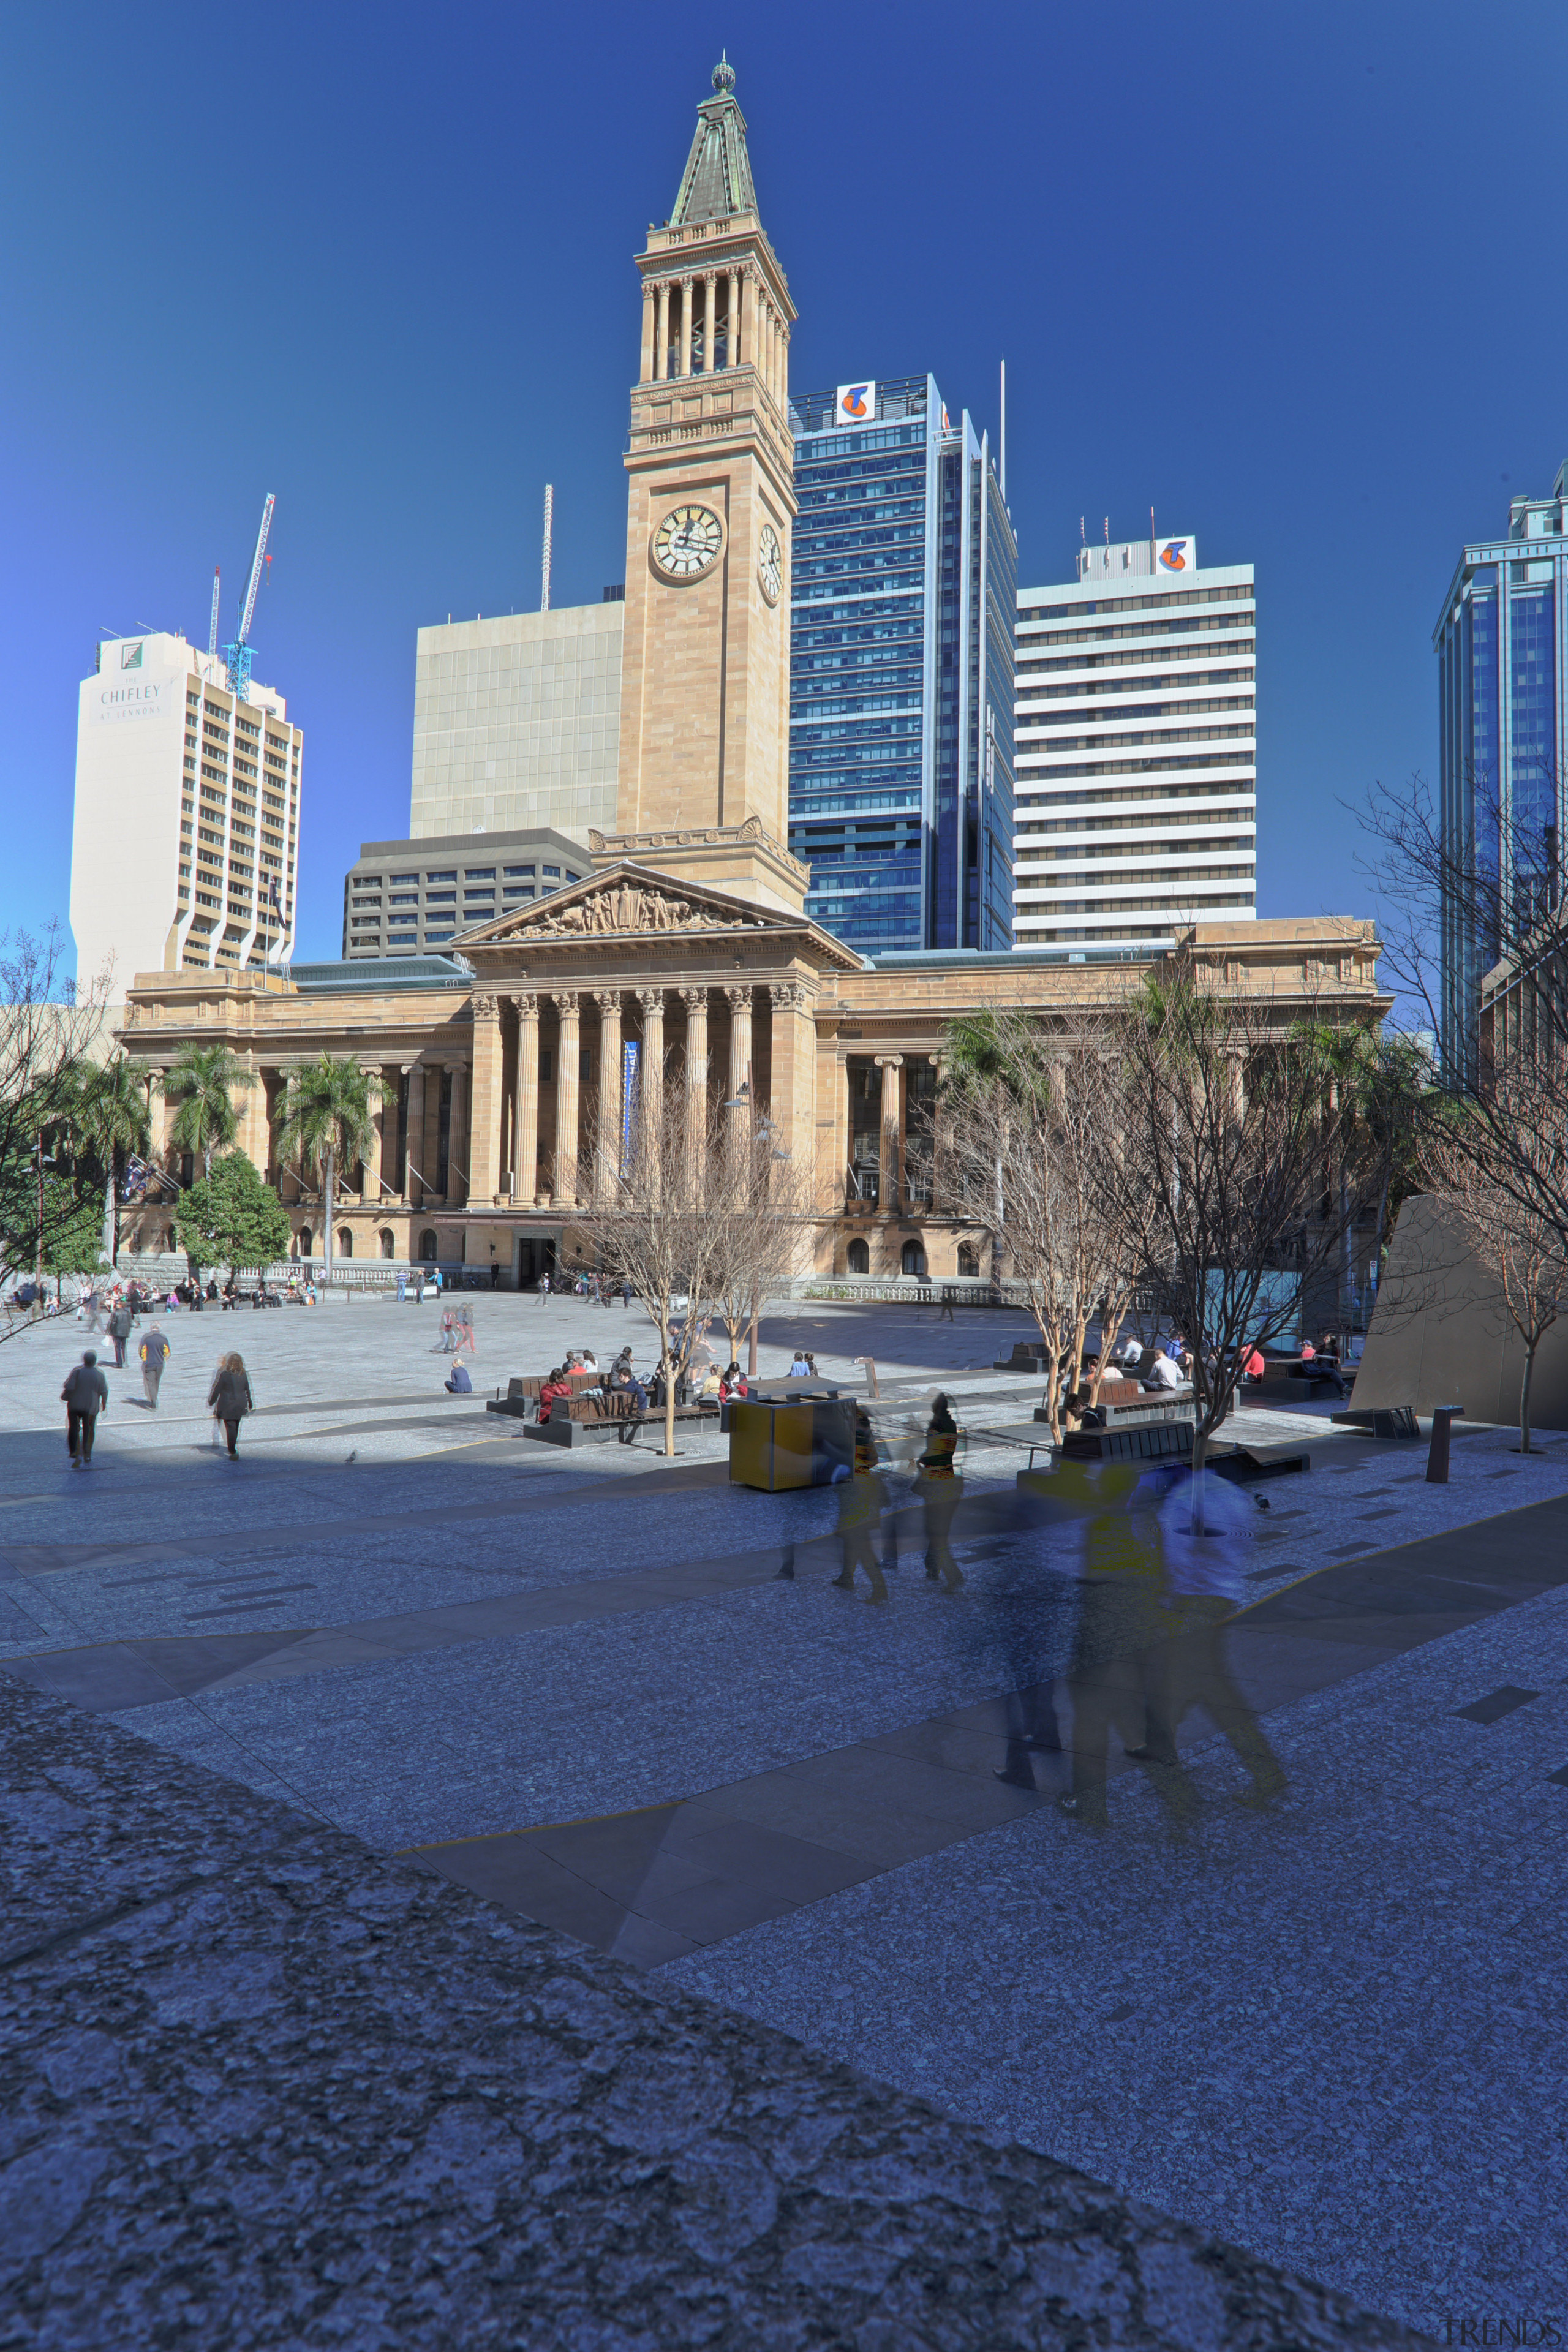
(238, 654)
(211, 627)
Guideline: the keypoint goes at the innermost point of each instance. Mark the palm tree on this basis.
(110, 1116)
(327, 1122)
(202, 1081)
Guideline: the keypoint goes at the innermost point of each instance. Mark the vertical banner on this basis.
(630, 1052)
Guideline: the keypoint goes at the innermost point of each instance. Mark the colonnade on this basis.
(530, 1099)
(686, 318)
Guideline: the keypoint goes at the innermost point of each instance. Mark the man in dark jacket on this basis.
(120, 1324)
(84, 1396)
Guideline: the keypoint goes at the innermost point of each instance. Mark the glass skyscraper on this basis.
(904, 600)
(1503, 732)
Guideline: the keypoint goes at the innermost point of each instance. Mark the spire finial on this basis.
(724, 75)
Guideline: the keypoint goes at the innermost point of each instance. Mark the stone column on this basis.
(525, 1101)
(892, 1138)
(793, 1056)
(414, 1140)
(648, 333)
(459, 1187)
(375, 1166)
(696, 1002)
(431, 1134)
(784, 366)
(660, 333)
(711, 322)
(608, 1001)
(732, 340)
(481, 1144)
(683, 348)
(568, 1048)
(651, 1001)
(740, 1039)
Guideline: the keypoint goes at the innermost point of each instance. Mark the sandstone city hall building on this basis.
(688, 940)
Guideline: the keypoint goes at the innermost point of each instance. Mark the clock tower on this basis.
(704, 751)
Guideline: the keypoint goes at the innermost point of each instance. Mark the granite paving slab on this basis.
(277, 2091)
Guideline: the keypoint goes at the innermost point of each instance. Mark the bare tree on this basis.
(1023, 1121)
(1240, 1164)
(649, 1224)
(762, 1200)
(1515, 1228)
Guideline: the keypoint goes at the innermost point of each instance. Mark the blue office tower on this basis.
(1501, 641)
(904, 603)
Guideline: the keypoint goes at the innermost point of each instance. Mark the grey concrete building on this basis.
(408, 897)
(517, 721)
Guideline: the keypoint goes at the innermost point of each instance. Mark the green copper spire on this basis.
(717, 180)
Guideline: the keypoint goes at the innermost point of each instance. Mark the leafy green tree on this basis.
(201, 1082)
(232, 1218)
(110, 1115)
(73, 1235)
(327, 1123)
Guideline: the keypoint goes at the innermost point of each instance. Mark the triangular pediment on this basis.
(627, 901)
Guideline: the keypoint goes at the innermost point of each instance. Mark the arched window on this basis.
(169, 1243)
(968, 1260)
(388, 1244)
(307, 1241)
(345, 1241)
(427, 1246)
(914, 1259)
(858, 1258)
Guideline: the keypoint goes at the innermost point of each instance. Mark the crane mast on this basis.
(212, 627)
(238, 653)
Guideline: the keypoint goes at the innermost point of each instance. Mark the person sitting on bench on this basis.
(555, 1388)
(1164, 1372)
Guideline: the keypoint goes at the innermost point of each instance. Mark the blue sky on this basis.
(1291, 274)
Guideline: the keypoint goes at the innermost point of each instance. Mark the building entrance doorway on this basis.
(533, 1255)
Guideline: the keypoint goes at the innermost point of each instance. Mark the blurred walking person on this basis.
(154, 1352)
(861, 1501)
(941, 1491)
(85, 1395)
(230, 1400)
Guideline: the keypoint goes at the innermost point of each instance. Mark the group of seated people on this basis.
(708, 1388)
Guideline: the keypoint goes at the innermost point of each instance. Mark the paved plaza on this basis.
(618, 1698)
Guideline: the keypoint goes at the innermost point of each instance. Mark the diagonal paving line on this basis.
(654, 1884)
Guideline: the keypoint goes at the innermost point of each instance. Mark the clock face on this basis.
(770, 563)
(688, 541)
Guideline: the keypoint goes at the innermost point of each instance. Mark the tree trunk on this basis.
(326, 1238)
(1524, 1396)
(109, 1249)
(668, 1400)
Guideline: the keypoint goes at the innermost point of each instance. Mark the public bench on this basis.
(521, 1396)
(598, 1414)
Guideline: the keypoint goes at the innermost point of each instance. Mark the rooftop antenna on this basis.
(1003, 431)
(212, 626)
(549, 532)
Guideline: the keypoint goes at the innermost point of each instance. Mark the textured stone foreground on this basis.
(260, 2085)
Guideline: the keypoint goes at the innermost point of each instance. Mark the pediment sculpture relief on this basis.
(627, 907)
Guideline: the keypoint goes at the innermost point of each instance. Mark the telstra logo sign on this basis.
(1174, 555)
(857, 403)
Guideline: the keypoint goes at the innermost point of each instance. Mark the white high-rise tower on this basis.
(1137, 752)
(187, 816)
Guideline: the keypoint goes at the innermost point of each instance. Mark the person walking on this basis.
(941, 1491)
(861, 1504)
(154, 1352)
(543, 1286)
(230, 1400)
(85, 1395)
(626, 1295)
(119, 1331)
(402, 1288)
(947, 1314)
